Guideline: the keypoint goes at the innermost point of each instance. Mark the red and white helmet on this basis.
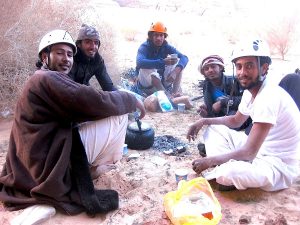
(211, 59)
(55, 37)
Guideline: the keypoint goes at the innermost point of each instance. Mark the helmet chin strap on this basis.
(261, 77)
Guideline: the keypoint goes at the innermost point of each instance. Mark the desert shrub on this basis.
(129, 33)
(281, 35)
(18, 50)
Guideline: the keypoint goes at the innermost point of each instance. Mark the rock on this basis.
(244, 219)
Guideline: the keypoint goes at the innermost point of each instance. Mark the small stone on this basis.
(168, 152)
(180, 149)
(244, 219)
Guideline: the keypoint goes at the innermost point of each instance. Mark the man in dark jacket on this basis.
(290, 83)
(47, 165)
(222, 94)
(158, 64)
(88, 62)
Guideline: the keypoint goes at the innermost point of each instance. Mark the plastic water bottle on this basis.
(164, 102)
(166, 106)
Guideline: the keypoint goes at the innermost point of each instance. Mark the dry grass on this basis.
(18, 50)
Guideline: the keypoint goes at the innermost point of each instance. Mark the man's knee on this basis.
(155, 80)
(148, 77)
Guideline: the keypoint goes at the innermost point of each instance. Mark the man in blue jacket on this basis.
(159, 65)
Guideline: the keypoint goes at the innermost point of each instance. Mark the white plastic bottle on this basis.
(164, 102)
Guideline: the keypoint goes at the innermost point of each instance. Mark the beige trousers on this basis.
(145, 75)
(267, 172)
(103, 139)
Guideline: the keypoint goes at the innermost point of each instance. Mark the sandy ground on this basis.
(143, 182)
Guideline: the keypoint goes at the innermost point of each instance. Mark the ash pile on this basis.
(170, 145)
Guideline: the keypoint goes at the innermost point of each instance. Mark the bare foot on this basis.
(96, 171)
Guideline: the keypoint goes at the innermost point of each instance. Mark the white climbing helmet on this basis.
(55, 37)
(252, 47)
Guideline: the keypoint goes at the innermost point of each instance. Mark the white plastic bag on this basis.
(194, 203)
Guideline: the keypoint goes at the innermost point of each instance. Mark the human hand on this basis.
(194, 130)
(200, 164)
(177, 94)
(170, 61)
(216, 107)
(141, 107)
(202, 110)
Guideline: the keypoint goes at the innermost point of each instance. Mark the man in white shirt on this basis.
(268, 158)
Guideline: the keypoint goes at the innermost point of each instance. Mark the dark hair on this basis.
(265, 59)
(39, 62)
(78, 42)
(150, 34)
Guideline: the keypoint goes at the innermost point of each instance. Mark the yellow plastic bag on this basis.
(194, 203)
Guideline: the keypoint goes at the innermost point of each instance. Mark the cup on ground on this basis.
(181, 174)
(125, 149)
(181, 107)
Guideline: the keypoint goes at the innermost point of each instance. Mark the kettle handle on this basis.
(139, 123)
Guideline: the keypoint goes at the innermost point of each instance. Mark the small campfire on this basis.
(169, 145)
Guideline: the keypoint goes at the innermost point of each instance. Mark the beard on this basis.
(253, 84)
(90, 55)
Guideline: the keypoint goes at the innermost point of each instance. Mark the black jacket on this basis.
(228, 84)
(233, 91)
(291, 83)
(84, 68)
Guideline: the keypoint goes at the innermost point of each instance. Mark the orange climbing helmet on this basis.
(158, 27)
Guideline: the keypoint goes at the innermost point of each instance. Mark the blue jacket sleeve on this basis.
(183, 59)
(143, 59)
